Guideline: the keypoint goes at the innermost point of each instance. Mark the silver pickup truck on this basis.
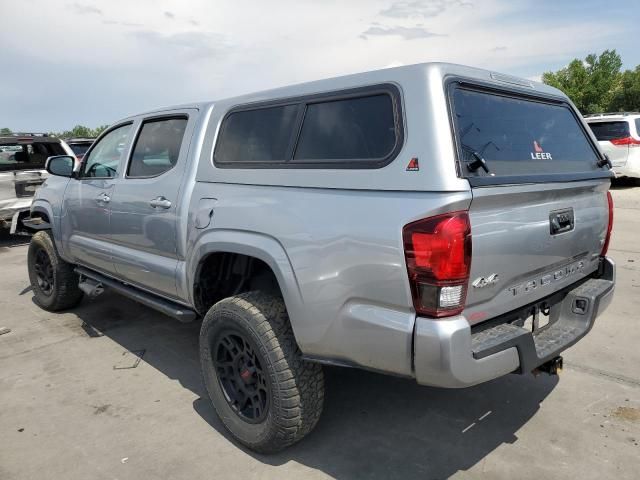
(438, 222)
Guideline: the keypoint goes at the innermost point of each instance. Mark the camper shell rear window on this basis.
(518, 137)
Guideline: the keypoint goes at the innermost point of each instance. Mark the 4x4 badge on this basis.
(485, 282)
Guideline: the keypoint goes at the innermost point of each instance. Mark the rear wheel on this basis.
(54, 283)
(262, 390)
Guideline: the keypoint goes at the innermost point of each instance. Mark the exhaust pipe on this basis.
(90, 287)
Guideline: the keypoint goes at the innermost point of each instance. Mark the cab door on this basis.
(145, 202)
(86, 210)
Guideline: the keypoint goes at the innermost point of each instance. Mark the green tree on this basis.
(80, 131)
(98, 130)
(627, 95)
(591, 84)
(5, 131)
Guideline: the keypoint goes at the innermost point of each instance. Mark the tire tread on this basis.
(67, 293)
(298, 385)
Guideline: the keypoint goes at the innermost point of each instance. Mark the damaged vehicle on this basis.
(437, 222)
(22, 171)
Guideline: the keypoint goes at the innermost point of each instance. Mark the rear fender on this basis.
(262, 247)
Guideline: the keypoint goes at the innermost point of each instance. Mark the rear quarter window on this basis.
(518, 135)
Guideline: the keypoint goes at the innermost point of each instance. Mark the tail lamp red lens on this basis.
(607, 238)
(625, 142)
(438, 255)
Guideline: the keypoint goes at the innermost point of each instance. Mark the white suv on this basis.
(619, 137)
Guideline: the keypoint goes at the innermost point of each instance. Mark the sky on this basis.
(92, 62)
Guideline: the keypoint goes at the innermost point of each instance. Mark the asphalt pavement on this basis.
(112, 390)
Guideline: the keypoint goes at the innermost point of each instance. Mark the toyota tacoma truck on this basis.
(438, 222)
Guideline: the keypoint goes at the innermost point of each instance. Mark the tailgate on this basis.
(539, 212)
(529, 241)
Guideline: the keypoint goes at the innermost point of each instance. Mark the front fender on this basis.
(43, 207)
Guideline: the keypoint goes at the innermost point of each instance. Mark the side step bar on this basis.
(167, 307)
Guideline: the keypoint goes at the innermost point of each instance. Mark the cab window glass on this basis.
(157, 147)
(103, 159)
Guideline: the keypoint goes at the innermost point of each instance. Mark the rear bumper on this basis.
(448, 354)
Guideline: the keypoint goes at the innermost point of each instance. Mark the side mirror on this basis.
(60, 165)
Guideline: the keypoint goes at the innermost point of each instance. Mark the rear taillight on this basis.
(607, 238)
(625, 142)
(438, 255)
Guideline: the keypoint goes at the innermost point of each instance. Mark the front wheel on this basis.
(54, 283)
(266, 395)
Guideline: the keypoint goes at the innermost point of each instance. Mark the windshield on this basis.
(519, 136)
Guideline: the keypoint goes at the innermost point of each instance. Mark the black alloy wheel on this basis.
(241, 376)
(44, 271)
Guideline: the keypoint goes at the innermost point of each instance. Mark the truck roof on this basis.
(439, 70)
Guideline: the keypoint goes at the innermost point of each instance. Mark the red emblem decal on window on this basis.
(537, 148)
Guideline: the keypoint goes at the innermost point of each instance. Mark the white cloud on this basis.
(408, 33)
(421, 8)
(94, 61)
(84, 9)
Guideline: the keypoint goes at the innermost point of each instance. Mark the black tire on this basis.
(54, 283)
(293, 388)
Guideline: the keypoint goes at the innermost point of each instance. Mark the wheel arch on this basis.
(262, 247)
(43, 209)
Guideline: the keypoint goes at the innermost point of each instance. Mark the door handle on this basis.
(103, 197)
(160, 202)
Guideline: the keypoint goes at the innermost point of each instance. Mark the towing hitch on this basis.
(552, 367)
